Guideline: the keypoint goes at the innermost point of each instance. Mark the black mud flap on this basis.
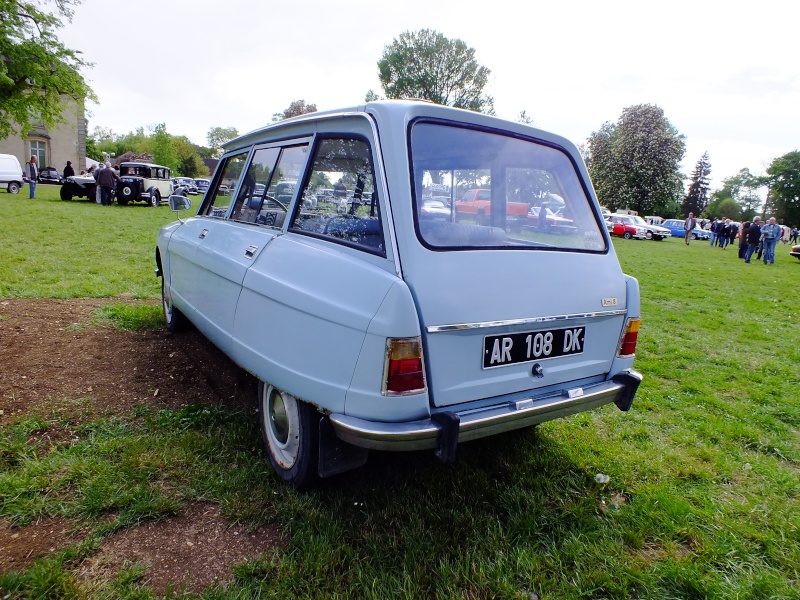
(336, 456)
(448, 436)
(631, 380)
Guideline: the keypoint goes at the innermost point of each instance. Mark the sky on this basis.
(727, 76)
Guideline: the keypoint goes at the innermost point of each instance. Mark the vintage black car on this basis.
(49, 175)
(82, 186)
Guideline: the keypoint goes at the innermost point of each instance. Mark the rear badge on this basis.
(609, 301)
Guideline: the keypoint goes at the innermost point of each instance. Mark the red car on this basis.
(625, 226)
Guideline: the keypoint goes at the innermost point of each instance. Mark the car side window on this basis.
(254, 186)
(350, 214)
(218, 200)
(281, 187)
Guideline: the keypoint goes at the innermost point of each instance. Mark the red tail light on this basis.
(627, 346)
(403, 371)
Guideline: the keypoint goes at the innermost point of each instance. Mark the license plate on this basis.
(528, 346)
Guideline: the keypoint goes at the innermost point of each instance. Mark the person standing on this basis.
(96, 174)
(32, 175)
(68, 170)
(770, 234)
(713, 230)
(723, 233)
(734, 233)
(743, 238)
(753, 238)
(688, 226)
(107, 178)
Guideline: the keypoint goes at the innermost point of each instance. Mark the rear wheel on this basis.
(694, 236)
(290, 428)
(13, 188)
(627, 235)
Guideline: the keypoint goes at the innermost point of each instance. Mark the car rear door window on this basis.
(350, 214)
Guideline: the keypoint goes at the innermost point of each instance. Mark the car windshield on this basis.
(510, 192)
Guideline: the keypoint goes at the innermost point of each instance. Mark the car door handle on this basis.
(203, 234)
(250, 252)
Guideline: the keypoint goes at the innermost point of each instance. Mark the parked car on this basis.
(202, 185)
(185, 182)
(434, 209)
(477, 330)
(10, 173)
(81, 186)
(627, 227)
(795, 252)
(675, 227)
(652, 231)
(477, 204)
(143, 182)
(49, 175)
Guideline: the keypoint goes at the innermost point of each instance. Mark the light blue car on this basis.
(388, 326)
(676, 228)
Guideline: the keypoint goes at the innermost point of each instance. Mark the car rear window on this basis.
(498, 191)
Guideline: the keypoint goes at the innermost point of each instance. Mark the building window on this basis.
(37, 150)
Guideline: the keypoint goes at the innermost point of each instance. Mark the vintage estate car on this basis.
(381, 328)
(675, 227)
(202, 185)
(82, 186)
(143, 181)
(185, 182)
(627, 227)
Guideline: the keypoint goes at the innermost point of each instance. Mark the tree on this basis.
(217, 136)
(635, 162)
(163, 149)
(425, 64)
(784, 188)
(697, 198)
(296, 108)
(743, 189)
(36, 70)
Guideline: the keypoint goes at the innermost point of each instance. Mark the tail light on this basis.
(627, 346)
(403, 371)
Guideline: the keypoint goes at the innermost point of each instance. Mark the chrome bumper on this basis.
(424, 434)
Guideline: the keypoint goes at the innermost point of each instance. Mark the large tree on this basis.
(635, 162)
(296, 108)
(217, 136)
(696, 199)
(743, 188)
(425, 64)
(784, 188)
(36, 70)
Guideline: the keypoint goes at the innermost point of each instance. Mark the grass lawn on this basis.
(703, 491)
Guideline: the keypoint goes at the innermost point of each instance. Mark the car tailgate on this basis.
(499, 322)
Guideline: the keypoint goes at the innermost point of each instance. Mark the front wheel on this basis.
(155, 199)
(173, 317)
(627, 235)
(290, 428)
(66, 192)
(13, 188)
(649, 235)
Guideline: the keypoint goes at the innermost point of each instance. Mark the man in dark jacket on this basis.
(743, 238)
(106, 178)
(753, 238)
(68, 170)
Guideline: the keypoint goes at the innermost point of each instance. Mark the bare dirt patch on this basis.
(57, 367)
(189, 552)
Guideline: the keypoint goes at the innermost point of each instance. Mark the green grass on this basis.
(703, 497)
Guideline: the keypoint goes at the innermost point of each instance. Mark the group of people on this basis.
(105, 175)
(754, 237)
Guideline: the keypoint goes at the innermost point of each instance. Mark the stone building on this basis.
(53, 147)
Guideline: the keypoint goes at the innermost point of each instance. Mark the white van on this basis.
(10, 173)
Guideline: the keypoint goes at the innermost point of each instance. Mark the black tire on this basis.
(290, 429)
(658, 238)
(174, 319)
(649, 235)
(66, 192)
(155, 199)
(13, 188)
(627, 235)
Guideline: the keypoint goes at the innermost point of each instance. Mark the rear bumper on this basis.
(426, 434)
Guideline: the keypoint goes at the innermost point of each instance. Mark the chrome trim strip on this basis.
(528, 321)
(474, 424)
